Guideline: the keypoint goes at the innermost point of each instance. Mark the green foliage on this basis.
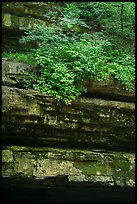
(63, 58)
(71, 17)
(56, 80)
(46, 37)
(123, 67)
(62, 69)
(68, 18)
(27, 57)
(108, 15)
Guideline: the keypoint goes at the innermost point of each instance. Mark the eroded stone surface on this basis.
(78, 165)
(94, 125)
(7, 156)
(31, 117)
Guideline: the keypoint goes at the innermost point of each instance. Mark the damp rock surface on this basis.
(108, 168)
(92, 140)
(32, 118)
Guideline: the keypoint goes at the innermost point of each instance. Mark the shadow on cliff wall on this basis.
(20, 190)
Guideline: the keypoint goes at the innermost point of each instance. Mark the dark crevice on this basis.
(111, 97)
(58, 189)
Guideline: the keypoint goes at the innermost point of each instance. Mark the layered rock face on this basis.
(19, 16)
(89, 122)
(98, 167)
(48, 144)
(91, 140)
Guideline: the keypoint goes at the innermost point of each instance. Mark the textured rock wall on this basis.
(91, 140)
(109, 168)
(88, 122)
(19, 16)
(109, 89)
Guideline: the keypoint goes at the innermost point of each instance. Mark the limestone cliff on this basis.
(91, 140)
(18, 16)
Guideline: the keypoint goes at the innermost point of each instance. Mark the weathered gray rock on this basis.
(87, 134)
(109, 168)
(29, 9)
(19, 16)
(109, 89)
(32, 118)
(11, 72)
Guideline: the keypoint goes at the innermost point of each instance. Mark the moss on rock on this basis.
(109, 168)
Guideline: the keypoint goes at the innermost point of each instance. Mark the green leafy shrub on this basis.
(123, 68)
(62, 69)
(63, 58)
(109, 15)
(28, 57)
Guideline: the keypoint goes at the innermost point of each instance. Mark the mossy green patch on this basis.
(93, 168)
